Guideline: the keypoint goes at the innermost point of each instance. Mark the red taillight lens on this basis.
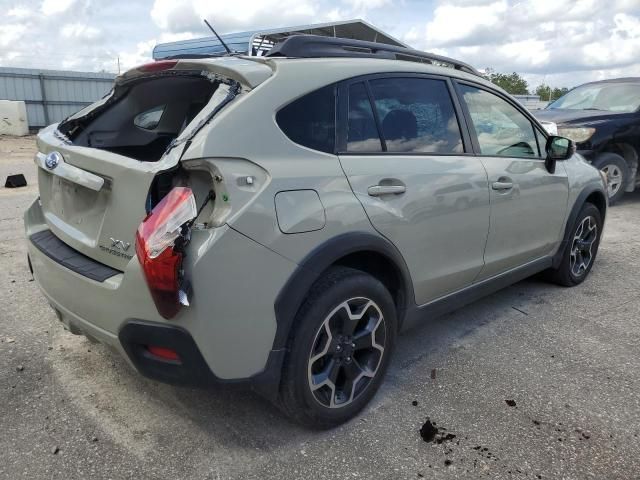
(158, 66)
(155, 239)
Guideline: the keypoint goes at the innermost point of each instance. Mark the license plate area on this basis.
(68, 204)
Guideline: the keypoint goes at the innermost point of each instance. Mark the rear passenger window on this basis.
(362, 133)
(311, 120)
(416, 115)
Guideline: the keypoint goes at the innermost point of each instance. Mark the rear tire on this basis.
(617, 171)
(580, 253)
(340, 349)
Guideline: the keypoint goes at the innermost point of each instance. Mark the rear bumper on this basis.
(189, 369)
(134, 338)
(97, 308)
(221, 336)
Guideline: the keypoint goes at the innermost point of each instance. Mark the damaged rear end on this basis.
(117, 206)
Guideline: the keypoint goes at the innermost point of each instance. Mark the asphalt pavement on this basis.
(536, 381)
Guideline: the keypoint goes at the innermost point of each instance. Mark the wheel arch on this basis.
(598, 199)
(629, 154)
(590, 194)
(360, 250)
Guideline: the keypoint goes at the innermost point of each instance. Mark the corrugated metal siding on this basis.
(237, 42)
(531, 102)
(241, 41)
(65, 92)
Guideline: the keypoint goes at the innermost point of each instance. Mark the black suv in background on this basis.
(603, 118)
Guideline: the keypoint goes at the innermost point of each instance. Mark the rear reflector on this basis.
(164, 353)
(158, 66)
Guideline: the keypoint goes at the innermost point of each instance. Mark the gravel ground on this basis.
(536, 381)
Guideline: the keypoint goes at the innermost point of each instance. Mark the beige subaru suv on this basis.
(278, 220)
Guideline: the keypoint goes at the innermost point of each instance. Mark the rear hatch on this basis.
(96, 168)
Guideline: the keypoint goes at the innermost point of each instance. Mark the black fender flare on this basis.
(322, 257)
(571, 219)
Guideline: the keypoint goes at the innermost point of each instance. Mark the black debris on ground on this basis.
(15, 181)
(445, 438)
(430, 432)
(511, 403)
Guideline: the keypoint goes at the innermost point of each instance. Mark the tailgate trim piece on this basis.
(71, 173)
(61, 253)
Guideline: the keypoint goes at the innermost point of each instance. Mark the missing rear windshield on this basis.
(143, 117)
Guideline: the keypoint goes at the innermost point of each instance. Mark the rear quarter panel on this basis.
(249, 131)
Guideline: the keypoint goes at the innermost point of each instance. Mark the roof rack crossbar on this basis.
(315, 46)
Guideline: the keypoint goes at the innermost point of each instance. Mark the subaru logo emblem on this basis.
(52, 160)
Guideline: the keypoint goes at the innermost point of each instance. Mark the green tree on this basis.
(546, 93)
(512, 82)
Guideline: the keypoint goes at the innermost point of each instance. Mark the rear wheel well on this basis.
(626, 151)
(629, 154)
(382, 268)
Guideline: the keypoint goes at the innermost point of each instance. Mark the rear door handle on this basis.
(502, 185)
(378, 190)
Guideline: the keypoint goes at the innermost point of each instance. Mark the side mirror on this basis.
(558, 148)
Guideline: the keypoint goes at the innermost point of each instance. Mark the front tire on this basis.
(617, 171)
(340, 350)
(580, 253)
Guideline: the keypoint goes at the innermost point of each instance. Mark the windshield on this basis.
(612, 97)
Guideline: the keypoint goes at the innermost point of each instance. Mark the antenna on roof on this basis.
(218, 37)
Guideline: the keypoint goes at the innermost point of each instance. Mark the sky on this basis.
(556, 42)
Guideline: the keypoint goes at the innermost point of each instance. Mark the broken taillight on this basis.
(160, 240)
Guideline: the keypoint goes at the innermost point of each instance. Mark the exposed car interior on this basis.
(144, 118)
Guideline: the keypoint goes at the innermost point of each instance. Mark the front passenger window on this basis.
(502, 130)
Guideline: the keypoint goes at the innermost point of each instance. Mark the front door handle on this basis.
(502, 185)
(378, 190)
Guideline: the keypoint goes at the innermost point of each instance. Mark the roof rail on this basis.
(315, 46)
